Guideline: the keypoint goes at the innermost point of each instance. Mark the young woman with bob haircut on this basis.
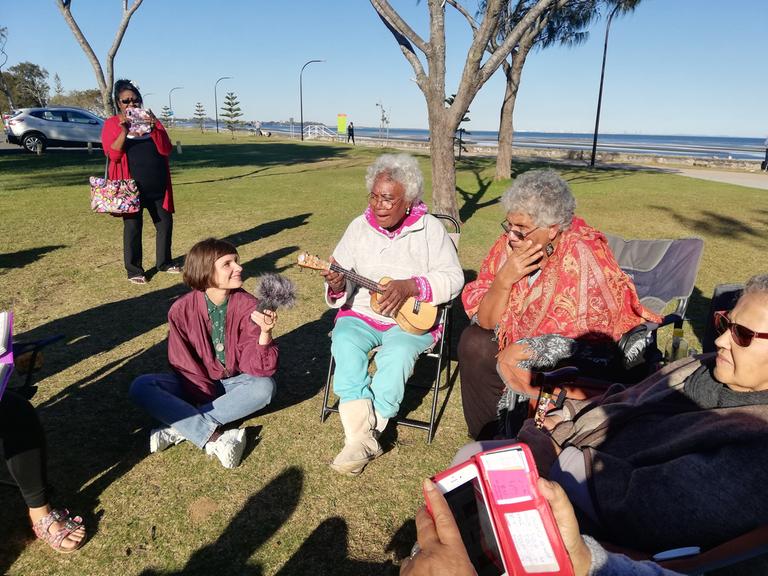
(222, 354)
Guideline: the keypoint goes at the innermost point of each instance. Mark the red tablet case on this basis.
(527, 534)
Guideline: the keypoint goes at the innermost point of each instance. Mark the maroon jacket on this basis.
(118, 165)
(191, 353)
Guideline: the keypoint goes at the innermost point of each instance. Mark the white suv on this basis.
(43, 127)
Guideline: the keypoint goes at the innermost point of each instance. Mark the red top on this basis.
(581, 291)
(191, 353)
(118, 165)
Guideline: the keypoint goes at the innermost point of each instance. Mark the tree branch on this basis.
(407, 49)
(492, 64)
(64, 7)
(393, 21)
(463, 11)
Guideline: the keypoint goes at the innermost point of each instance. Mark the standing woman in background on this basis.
(143, 157)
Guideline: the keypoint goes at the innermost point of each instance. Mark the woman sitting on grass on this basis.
(23, 445)
(223, 357)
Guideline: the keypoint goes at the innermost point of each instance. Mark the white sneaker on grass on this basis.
(162, 438)
(228, 448)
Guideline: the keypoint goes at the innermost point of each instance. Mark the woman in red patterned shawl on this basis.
(549, 289)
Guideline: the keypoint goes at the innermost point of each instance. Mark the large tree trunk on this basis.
(512, 73)
(443, 167)
(506, 134)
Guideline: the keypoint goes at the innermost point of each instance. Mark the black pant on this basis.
(23, 444)
(132, 227)
(481, 386)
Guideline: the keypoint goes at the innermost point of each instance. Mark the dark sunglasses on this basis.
(130, 101)
(518, 234)
(741, 334)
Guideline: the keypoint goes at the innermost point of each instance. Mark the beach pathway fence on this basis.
(319, 132)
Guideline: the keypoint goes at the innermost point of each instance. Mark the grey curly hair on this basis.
(401, 168)
(758, 284)
(544, 196)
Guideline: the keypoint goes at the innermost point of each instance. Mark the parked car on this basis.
(53, 126)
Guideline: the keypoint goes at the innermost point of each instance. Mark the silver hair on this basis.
(401, 168)
(544, 196)
(758, 284)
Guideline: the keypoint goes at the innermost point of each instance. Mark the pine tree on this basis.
(165, 114)
(231, 111)
(200, 115)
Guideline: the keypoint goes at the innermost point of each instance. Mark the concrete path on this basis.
(756, 179)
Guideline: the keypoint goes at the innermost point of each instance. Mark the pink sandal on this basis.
(54, 539)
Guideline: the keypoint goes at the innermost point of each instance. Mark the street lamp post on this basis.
(216, 100)
(170, 106)
(602, 76)
(301, 96)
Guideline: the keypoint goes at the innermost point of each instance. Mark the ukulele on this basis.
(414, 317)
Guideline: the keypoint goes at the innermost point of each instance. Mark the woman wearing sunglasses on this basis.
(678, 459)
(548, 273)
(141, 154)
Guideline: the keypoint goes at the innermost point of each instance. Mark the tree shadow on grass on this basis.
(472, 202)
(104, 327)
(324, 552)
(710, 223)
(24, 257)
(73, 167)
(259, 519)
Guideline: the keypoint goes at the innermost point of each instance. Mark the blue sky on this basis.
(674, 66)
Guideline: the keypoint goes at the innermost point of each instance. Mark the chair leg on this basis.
(325, 411)
(444, 355)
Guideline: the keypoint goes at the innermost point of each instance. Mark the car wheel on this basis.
(33, 140)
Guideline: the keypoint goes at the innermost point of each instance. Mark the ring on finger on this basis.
(415, 550)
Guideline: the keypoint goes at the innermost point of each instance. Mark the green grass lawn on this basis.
(283, 511)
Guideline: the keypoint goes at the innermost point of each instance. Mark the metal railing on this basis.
(319, 132)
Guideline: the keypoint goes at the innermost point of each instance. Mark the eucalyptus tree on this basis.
(427, 58)
(104, 81)
(565, 26)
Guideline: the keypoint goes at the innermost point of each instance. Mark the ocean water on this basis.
(659, 145)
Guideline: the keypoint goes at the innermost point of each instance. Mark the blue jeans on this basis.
(352, 340)
(162, 395)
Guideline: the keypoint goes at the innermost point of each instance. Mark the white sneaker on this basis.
(162, 438)
(228, 448)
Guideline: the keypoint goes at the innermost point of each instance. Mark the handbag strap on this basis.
(106, 168)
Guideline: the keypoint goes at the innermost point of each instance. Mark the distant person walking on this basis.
(141, 155)
(765, 162)
(350, 133)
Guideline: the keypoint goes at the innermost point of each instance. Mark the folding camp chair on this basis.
(664, 272)
(440, 352)
(28, 360)
(745, 555)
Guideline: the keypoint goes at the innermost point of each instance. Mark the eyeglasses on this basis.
(518, 234)
(127, 101)
(386, 203)
(741, 334)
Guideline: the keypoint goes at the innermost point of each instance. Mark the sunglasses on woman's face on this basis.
(127, 101)
(741, 334)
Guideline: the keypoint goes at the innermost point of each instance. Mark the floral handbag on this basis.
(114, 196)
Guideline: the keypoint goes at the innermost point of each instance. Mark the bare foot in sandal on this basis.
(62, 532)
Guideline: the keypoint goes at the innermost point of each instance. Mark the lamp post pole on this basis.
(170, 106)
(301, 96)
(600, 91)
(216, 100)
